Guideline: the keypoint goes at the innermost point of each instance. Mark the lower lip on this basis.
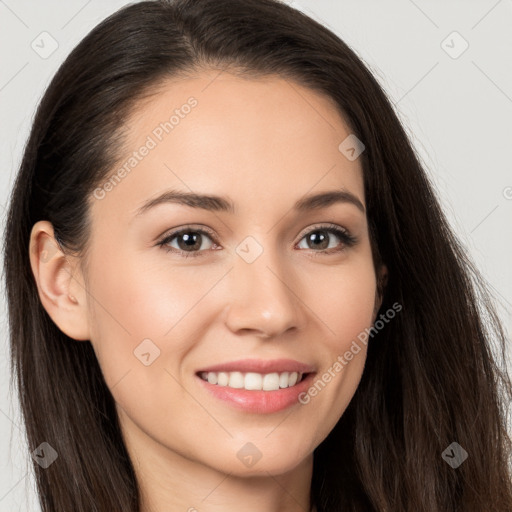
(262, 402)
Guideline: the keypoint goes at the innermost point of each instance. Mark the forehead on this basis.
(255, 140)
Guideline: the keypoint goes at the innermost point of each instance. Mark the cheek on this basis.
(138, 301)
(134, 313)
(344, 301)
(139, 309)
(345, 305)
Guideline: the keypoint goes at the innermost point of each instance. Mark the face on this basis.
(249, 286)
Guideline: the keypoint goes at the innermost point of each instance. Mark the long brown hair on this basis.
(431, 377)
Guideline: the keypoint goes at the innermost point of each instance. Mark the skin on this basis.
(263, 143)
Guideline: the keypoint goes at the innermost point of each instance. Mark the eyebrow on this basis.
(215, 203)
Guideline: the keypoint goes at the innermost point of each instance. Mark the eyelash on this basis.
(347, 239)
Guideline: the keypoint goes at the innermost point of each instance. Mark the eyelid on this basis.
(323, 225)
(187, 227)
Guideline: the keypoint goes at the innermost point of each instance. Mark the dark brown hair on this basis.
(430, 378)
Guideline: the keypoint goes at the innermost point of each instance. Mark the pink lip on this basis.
(260, 401)
(261, 366)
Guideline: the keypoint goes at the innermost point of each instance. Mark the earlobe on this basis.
(59, 282)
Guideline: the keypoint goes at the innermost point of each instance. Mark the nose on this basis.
(263, 298)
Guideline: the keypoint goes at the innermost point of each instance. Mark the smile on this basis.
(258, 400)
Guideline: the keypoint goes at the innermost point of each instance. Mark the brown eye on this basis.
(189, 242)
(321, 238)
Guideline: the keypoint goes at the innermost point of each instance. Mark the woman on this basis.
(231, 286)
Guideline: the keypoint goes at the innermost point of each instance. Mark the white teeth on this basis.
(253, 381)
(236, 380)
(283, 380)
(223, 379)
(271, 381)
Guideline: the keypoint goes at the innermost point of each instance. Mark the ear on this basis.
(382, 281)
(59, 282)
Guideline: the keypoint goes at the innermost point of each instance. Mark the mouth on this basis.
(252, 381)
(257, 386)
(256, 393)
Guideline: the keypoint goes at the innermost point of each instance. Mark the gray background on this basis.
(456, 108)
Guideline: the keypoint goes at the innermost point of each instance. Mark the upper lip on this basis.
(261, 366)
